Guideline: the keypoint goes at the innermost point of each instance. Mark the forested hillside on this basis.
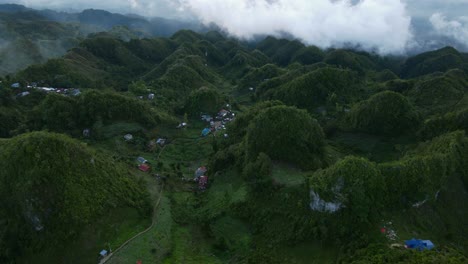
(274, 152)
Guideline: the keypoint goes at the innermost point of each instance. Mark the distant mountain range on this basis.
(29, 36)
(104, 20)
(425, 38)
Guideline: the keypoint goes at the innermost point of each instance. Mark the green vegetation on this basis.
(53, 186)
(325, 85)
(327, 148)
(286, 134)
(203, 100)
(357, 185)
(386, 113)
(434, 61)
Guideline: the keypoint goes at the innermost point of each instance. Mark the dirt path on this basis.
(153, 222)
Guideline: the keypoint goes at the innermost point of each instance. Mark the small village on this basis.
(215, 126)
(34, 86)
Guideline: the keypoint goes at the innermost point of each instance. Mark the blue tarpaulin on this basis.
(103, 252)
(419, 244)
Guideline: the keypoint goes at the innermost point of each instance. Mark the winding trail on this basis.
(153, 222)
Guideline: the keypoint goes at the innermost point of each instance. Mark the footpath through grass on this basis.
(167, 241)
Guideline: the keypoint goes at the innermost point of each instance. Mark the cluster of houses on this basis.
(64, 91)
(143, 164)
(219, 122)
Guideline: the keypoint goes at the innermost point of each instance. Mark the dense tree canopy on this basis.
(386, 113)
(314, 88)
(287, 134)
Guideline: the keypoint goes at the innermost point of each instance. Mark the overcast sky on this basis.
(383, 25)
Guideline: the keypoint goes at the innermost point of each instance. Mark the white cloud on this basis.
(383, 25)
(453, 28)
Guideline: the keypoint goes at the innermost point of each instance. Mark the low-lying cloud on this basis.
(452, 28)
(381, 25)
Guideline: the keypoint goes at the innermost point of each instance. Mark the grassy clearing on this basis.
(288, 175)
(190, 246)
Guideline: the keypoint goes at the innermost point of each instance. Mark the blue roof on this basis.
(103, 252)
(419, 244)
(15, 85)
(205, 132)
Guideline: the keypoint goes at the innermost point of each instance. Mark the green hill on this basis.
(53, 186)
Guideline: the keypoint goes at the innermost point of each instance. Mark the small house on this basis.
(151, 96)
(86, 132)
(15, 85)
(205, 132)
(223, 113)
(128, 137)
(202, 183)
(144, 167)
(161, 141)
(141, 160)
(419, 244)
(217, 125)
(251, 89)
(23, 94)
(75, 92)
(182, 125)
(103, 253)
(200, 172)
(37, 223)
(206, 118)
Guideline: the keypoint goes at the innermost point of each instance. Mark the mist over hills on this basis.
(29, 36)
